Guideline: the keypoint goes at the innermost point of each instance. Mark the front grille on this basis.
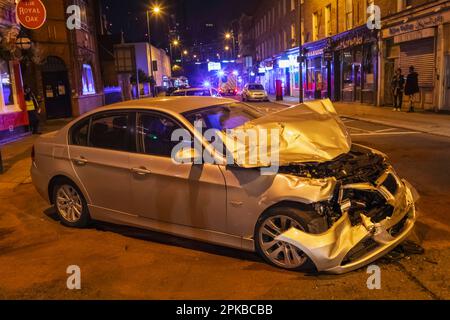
(391, 184)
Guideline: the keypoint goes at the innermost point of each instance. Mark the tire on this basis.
(70, 204)
(274, 252)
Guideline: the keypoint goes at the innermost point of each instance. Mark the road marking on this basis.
(359, 129)
(386, 133)
(386, 130)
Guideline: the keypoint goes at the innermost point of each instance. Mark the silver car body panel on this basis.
(221, 204)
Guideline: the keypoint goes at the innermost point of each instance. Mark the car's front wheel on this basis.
(275, 222)
(70, 204)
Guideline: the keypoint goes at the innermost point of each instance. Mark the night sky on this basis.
(129, 16)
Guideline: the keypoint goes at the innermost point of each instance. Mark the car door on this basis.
(182, 194)
(101, 159)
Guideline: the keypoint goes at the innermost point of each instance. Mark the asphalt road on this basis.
(119, 262)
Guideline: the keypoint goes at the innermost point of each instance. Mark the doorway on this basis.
(388, 75)
(56, 86)
(447, 83)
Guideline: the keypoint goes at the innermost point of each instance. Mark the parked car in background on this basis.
(337, 204)
(196, 92)
(254, 92)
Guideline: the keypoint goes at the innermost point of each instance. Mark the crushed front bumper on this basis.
(346, 247)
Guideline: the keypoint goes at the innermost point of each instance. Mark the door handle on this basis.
(81, 161)
(141, 171)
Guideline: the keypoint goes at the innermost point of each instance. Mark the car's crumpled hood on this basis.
(309, 132)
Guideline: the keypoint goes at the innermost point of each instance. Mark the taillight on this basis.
(33, 154)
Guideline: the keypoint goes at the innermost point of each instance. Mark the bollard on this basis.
(1, 162)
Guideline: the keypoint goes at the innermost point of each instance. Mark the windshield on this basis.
(255, 87)
(223, 117)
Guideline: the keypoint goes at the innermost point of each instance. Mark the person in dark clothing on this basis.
(412, 87)
(33, 110)
(397, 85)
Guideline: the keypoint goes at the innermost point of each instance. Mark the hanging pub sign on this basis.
(31, 13)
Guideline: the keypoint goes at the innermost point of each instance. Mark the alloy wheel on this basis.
(280, 253)
(69, 203)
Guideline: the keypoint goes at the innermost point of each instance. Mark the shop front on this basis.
(13, 114)
(317, 70)
(420, 43)
(355, 65)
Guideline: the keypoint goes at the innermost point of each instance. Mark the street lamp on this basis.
(230, 36)
(174, 43)
(156, 10)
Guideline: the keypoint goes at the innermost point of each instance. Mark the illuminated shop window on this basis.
(7, 92)
(88, 80)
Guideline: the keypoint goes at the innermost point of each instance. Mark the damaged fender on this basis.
(329, 250)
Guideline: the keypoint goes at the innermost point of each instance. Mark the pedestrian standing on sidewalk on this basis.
(412, 87)
(397, 85)
(33, 110)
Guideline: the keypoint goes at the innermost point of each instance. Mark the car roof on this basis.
(171, 104)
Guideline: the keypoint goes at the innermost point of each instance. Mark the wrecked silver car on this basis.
(328, 201)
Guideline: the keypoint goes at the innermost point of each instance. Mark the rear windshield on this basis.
(255, 87)
(223, 117)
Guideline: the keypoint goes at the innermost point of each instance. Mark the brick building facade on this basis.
(343, 58)
(67, 76)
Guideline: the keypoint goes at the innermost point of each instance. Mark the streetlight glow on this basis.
(227, 35)
(156, 10)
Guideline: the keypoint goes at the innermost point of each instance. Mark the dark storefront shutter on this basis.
(419, 54)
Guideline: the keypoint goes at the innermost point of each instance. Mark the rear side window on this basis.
(80, 134)
(110, 132)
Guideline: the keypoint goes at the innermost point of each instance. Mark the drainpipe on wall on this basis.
(1, 162)
(440, 68)
(380, 68)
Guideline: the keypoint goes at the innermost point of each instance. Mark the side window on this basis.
(110, 132)
(155, 134)
(179, 94)
(79, 134)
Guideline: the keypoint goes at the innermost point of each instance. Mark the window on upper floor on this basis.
(349, 14)
(293, 35)
(315, 21)
(328, 20)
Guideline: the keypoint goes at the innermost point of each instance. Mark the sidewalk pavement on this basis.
(17, 161)
(422, 121)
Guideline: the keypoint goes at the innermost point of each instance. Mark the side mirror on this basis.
(188, 155)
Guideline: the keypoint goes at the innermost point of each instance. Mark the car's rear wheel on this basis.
(70, 204)
(275, 222)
